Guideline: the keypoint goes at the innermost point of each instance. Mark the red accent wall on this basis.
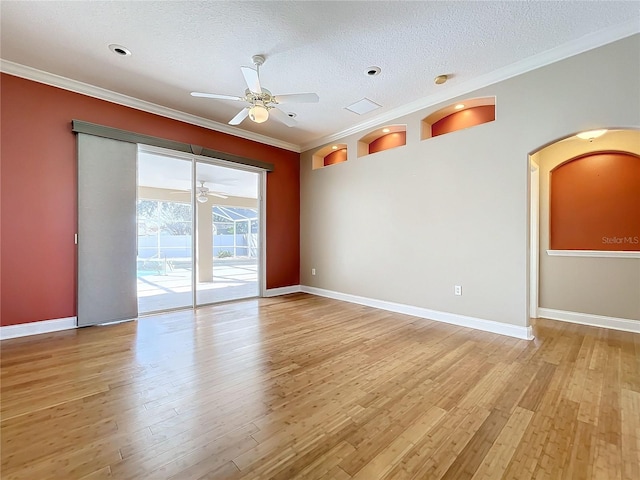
(390, 140)
(338, 156)
(595, 203)
(38, 198)
(464, 119)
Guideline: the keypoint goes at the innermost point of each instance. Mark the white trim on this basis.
(593, 253)
(613, 323)
(569, 49)
(275, 292)
(262, 228)
(534, 234)
(47, 78)
(34, 328)
(525, 333)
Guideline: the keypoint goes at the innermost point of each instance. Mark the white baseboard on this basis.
(613, 323)
(34, 328)
(525, 333)
(274, 292)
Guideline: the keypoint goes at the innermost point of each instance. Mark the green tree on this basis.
(173, 218)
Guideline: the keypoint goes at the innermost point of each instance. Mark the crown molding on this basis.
(75, 86)
(566, 50)
(569, 49)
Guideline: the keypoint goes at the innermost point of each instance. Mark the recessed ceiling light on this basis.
(120, 50)
(440, 79)
(372, 71)
(385, 130)
(459, 106)
(335, 147)
(590, 135)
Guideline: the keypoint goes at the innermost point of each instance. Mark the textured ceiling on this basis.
(321, 47)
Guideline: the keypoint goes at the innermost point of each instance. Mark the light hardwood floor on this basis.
(307, 387)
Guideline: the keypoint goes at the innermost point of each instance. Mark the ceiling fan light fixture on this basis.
(258, 114)
(202, 197)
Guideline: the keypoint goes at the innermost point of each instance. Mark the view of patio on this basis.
(198, 239)
(227, 258)
(233, 278)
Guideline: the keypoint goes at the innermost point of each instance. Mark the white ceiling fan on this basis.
(202, 193)
(261, 102)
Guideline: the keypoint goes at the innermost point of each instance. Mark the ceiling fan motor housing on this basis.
(263, 98)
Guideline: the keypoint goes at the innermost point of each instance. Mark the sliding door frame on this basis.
(262, 208)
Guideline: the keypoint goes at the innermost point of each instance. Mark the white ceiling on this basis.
(310, 46)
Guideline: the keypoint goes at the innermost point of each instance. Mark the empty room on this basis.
(319, 240)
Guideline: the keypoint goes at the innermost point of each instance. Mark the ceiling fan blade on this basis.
(242, 114)
(252, 79)
(219, 195)
(282, 117)
(297, 98)
(215, 95)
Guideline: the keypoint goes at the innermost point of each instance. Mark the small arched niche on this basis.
(381, 139)
(329, 155)
(458, 116)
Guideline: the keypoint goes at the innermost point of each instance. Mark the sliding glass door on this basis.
(228, 238)
(165, 232)
(199, 231)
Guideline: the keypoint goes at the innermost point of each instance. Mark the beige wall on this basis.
(598, 286)
(458, 203)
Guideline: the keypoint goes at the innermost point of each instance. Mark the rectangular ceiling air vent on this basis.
(363, 106)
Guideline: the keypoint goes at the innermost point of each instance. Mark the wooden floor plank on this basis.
(499, 455)
(305, 387)
(630, 442)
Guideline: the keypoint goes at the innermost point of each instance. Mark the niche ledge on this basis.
(594, 253)
(474, 112)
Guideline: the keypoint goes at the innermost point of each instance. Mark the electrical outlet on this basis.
(313, 271)
(457, 289)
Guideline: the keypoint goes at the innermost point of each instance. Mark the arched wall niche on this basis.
(588, 284)
(458, 116)
(328, 155)
(382, 138)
